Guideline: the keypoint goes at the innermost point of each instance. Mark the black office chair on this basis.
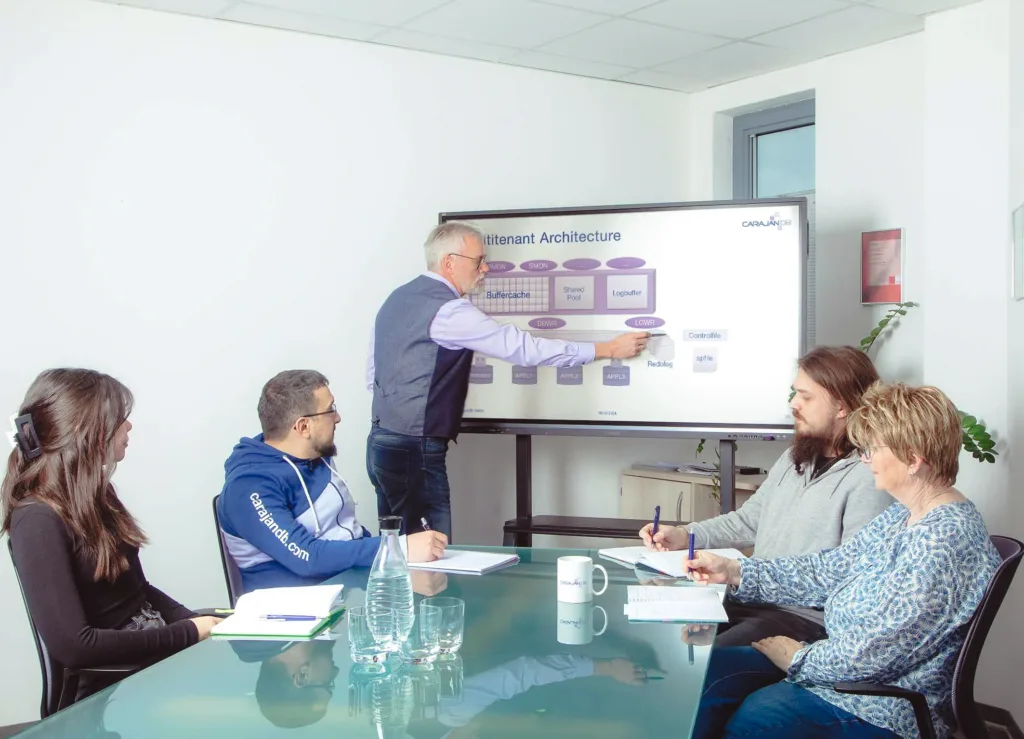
(60, 683)
(969, 721)
(232, 575)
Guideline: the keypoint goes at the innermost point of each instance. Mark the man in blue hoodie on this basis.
(287, 515)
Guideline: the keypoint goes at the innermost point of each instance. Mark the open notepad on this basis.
(316, 603)
(467, 562)
(694, 604)
(668, 563)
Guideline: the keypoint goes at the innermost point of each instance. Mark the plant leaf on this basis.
(986, 444)
(990, 458)
(969, 421)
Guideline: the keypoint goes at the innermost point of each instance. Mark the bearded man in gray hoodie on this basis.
(817, 496)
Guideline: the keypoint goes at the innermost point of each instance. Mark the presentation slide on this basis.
(720, 286)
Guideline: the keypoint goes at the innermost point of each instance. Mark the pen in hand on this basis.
(657, 517)
(424, 524)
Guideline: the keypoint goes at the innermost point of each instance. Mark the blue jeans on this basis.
(411, 479)
(745, 696)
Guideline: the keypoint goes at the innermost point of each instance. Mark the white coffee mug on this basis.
(576, 579)
(576, 623)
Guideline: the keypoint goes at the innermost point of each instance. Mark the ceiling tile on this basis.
(275, 18)
(848, 29)
(733, 62)
(380, 12)
(736, 19)
(519, 23)
(540, 60)
(208, 8)
(632, 44)
(919, 7)
(611, 7)
(666, 81)
(442, 45)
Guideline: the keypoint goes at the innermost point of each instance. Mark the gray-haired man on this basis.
(423, 342)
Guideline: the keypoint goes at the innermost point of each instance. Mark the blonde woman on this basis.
(896, 596)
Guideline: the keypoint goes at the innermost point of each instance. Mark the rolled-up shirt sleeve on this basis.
(461, 325)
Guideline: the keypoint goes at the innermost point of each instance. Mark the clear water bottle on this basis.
(389, 588)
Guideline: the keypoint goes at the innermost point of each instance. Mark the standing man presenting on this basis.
(420, 356)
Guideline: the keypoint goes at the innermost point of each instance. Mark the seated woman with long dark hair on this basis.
(76, 547)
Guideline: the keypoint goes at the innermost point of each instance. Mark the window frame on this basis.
(746, 129)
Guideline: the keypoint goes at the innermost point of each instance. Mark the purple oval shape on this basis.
(626, 263)
(543, 323)
(538, 265)
(500, 266)
(643, 322)
(584, 263)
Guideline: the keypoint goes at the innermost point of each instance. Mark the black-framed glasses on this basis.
(328, 686)
(332, 409)
(478, 261)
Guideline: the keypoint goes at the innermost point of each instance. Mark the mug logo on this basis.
(574, 583)
(569, 622)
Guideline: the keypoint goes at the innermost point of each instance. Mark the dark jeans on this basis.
(745, 696)
(751, 623)
(411, 479)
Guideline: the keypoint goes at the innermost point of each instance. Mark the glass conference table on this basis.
(529, 667)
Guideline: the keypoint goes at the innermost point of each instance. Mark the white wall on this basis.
(915, 133)
(967, 274)
(869, 116)
(1007, 628)
(195, 205)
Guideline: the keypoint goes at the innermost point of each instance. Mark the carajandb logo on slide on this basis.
(774, 221)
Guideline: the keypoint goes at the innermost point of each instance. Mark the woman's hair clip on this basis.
(23, 435)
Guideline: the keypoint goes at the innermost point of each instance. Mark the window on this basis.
(773, 156)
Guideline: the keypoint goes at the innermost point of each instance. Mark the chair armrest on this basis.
(917, 701)
(877, 689)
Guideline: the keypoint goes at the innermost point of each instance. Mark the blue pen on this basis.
(274, 617)
(657, 516)
(691, 547)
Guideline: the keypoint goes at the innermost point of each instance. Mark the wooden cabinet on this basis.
(681, 497)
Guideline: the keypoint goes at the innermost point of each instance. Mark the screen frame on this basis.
(568, 427)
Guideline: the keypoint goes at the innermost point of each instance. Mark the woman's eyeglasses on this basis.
(867, 452)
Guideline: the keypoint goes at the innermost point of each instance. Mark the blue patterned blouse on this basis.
(896, 602)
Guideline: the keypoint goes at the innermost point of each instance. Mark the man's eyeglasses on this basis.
(328, 686)
(867, 452)
(477, 261)
(332, 409)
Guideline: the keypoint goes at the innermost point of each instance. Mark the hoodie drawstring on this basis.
(309, 499)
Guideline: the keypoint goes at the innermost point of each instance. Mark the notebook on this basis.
(668, 563)
(680, 604)
(320, 602)
(466, 562)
